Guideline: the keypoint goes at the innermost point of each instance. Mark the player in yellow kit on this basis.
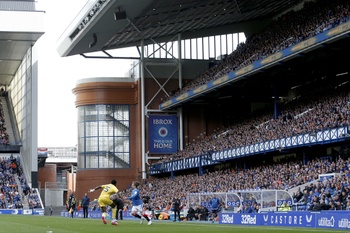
(104, 200)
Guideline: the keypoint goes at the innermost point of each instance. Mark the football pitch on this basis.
(57, 224)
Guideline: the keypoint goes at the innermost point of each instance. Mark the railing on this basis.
(308, 139)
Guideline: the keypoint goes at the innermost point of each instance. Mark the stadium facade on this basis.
(21, 25)
(123, 133)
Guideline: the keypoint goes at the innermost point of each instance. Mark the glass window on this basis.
(91, 160)
(104, 136)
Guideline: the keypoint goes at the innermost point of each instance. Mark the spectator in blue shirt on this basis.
(247, 209)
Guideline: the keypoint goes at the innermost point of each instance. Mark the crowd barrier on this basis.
(326, 219)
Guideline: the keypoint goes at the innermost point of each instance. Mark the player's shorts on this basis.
(137, 208)
(104, 201)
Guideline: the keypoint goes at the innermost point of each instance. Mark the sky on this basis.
(57, 76)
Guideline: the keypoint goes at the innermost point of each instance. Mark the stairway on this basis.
(8, 122)
(20, 191)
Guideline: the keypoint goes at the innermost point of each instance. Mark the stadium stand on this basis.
(287, 30)
(326, 106)
(14, 190)
(324, 109)
(302, 180)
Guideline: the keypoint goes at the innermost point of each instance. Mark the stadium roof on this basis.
(104, 25)
(19, 30)
(111, 24)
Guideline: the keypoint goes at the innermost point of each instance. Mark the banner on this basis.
(11, 211)
(285, 219)
(291, 219)
(335, 220)
(162, 134)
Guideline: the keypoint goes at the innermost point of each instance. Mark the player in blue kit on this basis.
(137, 203)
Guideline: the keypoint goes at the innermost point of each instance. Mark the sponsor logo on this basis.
(248, 219)
(167, 103)
(308, 218)
(325, 222)
(266, 218)
(182, 97)
(337, 30)
(286, 220)
(38, 211)
(163, 132)
(27, 211)
(244, 70)
(227, 218)
(304, 44)
(220, 80)
(272, 58)
(15, 211)
(344, 223)
(200, 89)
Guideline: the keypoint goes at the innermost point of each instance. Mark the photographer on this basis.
(118, 201)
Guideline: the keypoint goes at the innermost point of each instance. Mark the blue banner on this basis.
(300, 219)
(247, 219)
(162, 134)
(38, 212)
(335, 220)
(11, 211)
(292, 219)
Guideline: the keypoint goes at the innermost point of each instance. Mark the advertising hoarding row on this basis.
(333, 219)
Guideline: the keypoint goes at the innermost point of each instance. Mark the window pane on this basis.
(104, 135)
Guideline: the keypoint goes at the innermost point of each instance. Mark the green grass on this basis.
(56, 224)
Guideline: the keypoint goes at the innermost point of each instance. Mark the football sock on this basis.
(114, 213)
(146, 217)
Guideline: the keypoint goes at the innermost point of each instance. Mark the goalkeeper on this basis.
(104, 200)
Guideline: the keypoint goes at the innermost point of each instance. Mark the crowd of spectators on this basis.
(304, 115)
(34, 199)
(300, 116)
(285, 31)
(327, 194)
(4, 137)
(323, 109)
(15, 192)
(326, 109)
(28, 194)
(10, 197)
(292, 173)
